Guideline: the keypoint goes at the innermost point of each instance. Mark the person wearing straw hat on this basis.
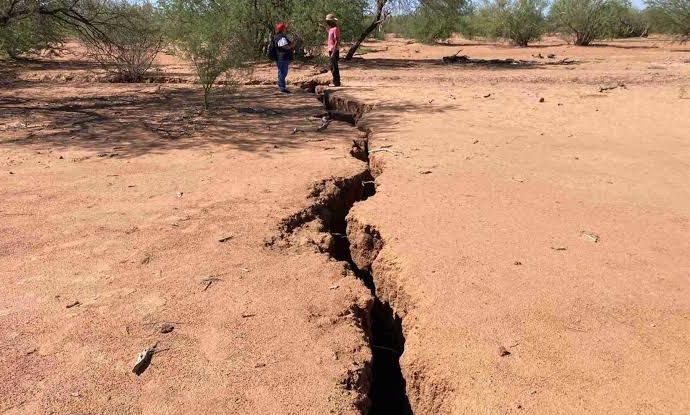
(334, 46)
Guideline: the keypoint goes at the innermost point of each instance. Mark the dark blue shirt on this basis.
(284, 53)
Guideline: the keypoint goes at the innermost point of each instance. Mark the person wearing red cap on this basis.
(284, 54)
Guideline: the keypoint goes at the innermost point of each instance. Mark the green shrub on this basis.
(589, 20)
(670, 16)
(521, 21)
(28, 32)
(481, 22)
(306, 18)
(584, 20)
(626, 21)
(431, 21)
(210, 35)
(525, 21)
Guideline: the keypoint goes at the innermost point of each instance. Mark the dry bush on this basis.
(127, 44)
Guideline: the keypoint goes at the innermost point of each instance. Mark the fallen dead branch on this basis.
(466, 60)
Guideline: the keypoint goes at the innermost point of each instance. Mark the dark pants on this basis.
(283, 69)
(334, 58)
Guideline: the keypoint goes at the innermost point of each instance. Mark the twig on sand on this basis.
(210, 281)
(566, 61)
(154, 323)
(384, 150)
(612, 87)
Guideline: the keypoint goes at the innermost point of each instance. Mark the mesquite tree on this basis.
(674, 15)
(380, 16)
(128, 44)
(27, 25)
(585, 20)
(382, 11)
(521, 21)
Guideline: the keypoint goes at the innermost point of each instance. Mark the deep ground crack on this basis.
(323, 226)
(388, 393)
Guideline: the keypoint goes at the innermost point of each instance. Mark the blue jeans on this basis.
(283, 69)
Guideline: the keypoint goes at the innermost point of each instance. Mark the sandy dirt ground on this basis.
(532, 228)
(528, 228)
(114, 203)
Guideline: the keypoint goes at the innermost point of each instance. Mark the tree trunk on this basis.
(377, 21)
(12, 53)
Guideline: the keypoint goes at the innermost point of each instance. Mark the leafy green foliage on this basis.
(521, 21)
(589, 20)
(431, 21)
(670, 16)
(439, 19)
(584, 20)
(209, 34)
(626, 21)
(23, 29)
(307, 21)
(30, 35)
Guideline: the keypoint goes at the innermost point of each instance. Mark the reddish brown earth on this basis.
(101, 205)
(116, 197)
(488, 202)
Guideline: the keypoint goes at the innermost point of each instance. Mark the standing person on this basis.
(334, 47)
(283, 54)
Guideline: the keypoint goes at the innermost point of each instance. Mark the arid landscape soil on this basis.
(504, 232)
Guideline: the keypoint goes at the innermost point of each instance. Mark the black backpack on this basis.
(272, 50)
